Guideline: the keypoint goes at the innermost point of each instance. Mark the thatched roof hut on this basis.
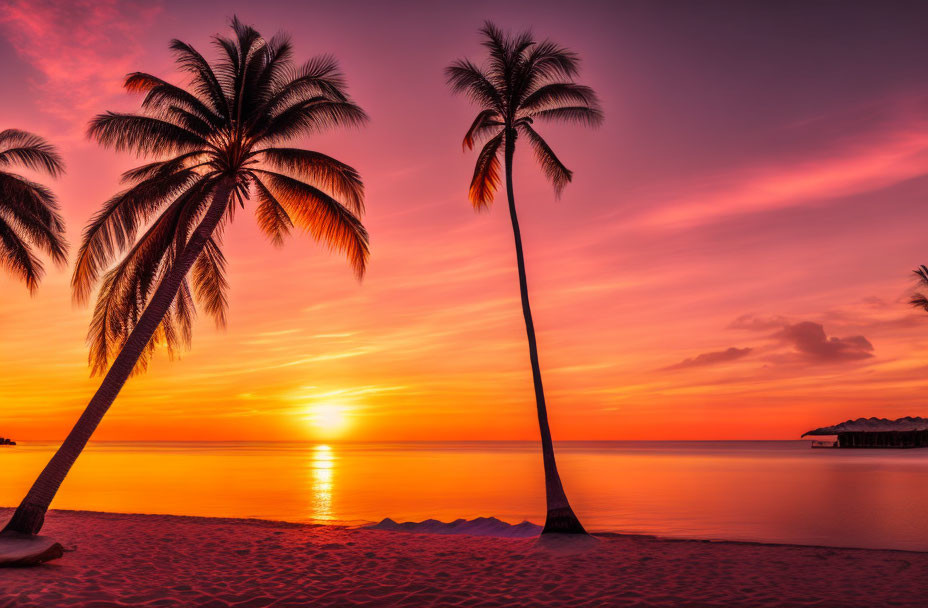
(908, 432)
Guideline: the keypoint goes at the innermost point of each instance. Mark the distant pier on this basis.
(905, 432)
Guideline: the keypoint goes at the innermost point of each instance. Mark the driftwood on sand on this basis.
(27, 550)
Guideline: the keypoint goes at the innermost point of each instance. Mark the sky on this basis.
(733, 259)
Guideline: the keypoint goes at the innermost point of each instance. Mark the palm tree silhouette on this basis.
(221, 135)
(919, 299)
(524, 81)
(29, 215)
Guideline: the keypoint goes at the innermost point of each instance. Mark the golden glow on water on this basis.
(767, 491)
(322, 466)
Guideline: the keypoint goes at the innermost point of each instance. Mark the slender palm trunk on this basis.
(30, 514)
(560, 518)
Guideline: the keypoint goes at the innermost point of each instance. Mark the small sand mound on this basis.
(481, 526)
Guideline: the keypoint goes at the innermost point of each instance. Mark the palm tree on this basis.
(918, 299)
(524, 81)
(29, 215)
(217, 143)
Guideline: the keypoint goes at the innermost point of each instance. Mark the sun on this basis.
(328, 419)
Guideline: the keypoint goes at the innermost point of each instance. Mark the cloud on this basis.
(81, 49)
(713, 358)
(787, 344)
(880, 155)
(813, 345)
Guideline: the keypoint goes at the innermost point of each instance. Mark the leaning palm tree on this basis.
(523, 82)
(218, 144)
(29, 216)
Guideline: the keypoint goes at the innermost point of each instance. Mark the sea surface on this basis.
(769, 491)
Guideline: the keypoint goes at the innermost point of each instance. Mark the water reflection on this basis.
(322, 466)
(766, 491)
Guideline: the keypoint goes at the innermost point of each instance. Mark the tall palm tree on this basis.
(29, 215)
(524, 81)
(217, 143)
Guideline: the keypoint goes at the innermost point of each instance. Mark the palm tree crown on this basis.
(523, 81)
(227, 125)
(29, 215)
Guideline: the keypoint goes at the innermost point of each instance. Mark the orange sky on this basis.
(731, 260)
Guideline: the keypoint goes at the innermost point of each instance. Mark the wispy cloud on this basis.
(80, 49)
(713, 358)
(872, 155)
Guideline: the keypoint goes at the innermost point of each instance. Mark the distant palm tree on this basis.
(29, 216)
(918, 299)
(217, 141)
(524, 81)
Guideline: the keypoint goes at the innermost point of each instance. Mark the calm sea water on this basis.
(773, 491)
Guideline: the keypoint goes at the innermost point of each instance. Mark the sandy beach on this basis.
(159, 560)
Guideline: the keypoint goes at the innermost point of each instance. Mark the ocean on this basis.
(768, 491)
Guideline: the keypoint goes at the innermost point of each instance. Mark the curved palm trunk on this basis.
(30, 514)
(560, 518)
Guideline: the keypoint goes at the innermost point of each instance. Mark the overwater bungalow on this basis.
(905, 432)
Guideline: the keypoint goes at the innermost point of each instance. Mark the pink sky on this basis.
(732, 259)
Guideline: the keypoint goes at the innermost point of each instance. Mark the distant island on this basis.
(6, 441)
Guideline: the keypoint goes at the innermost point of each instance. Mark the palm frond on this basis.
(465, 77)
(143, 134)
(318, 78)
(17, 256)
(558, 94)
(486, 121)
(209, 282)
(31, 209)
(549, 60)
(273, 219)
(31, 151)
(553, 168)
(583, 115)
(125, 290)
(320, 170)
(312, 116)
(277, 60)
(327, 220)
(162, 168)
(486, 173)
(161, 94)
(918, 299)
(112, 228)
(205, 82)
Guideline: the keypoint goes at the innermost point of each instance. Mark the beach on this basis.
(162, 560)
(757, 491)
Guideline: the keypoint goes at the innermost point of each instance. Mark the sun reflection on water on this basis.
(323, 469)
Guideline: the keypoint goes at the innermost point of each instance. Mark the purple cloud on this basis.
(810, 341)
(713, 358)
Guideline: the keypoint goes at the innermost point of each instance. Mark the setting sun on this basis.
(328, 419)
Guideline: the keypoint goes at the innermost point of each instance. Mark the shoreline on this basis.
(365, 525)
(368, 525)
(114, 559)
